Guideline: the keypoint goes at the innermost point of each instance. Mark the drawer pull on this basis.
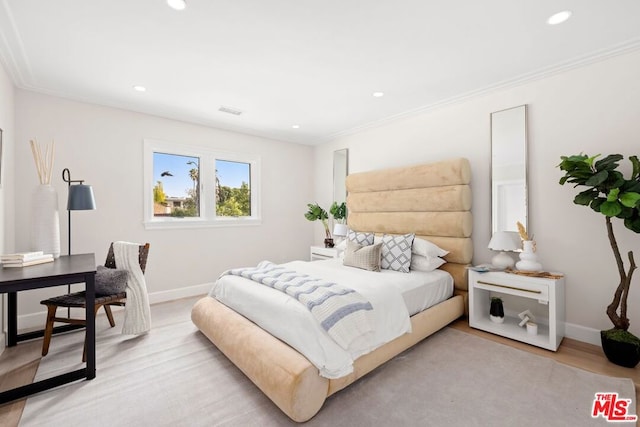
(509, 287)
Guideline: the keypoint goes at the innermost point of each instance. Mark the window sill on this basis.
(173, 223)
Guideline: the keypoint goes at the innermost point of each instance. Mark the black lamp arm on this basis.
(66, 177)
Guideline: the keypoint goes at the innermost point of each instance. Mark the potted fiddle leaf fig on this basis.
(315, 213)
(609, 193)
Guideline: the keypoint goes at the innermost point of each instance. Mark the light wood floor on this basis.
(18, 365)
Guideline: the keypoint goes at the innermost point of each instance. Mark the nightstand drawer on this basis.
(513, 285)
(318, 253)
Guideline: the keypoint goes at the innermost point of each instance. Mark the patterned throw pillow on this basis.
(396, 252)
(365, 257)
(364, 239)
(110, 281)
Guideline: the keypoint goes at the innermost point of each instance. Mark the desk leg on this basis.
(12, 318)
(90, 314)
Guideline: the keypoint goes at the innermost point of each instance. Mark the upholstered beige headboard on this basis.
(431, 200)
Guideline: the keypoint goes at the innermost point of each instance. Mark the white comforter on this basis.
(287, 319)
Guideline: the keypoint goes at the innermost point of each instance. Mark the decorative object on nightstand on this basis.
(340, 231)
(504, 241)
(314, 213)
(611, 194)
(496, 310)
(525, 316)
(528, 258)
(45, 220)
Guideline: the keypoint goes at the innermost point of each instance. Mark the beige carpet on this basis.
(174, 376)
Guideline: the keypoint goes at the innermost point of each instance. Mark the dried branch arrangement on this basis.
(44, 163)
(522, 231)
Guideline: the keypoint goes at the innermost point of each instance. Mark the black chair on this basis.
(77, 300)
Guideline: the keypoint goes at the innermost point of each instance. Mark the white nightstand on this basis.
(319, 252)
(544, 296)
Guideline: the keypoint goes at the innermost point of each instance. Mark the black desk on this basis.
(64, 270)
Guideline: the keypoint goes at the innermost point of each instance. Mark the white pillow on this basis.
(422, 263)
(396, 252)
(427, 249)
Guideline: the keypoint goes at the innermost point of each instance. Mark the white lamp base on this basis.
(502, 261)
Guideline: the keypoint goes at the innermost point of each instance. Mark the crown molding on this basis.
(573, 63)
(12, 52)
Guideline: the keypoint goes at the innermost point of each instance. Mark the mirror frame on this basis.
(340, 172)
(494, 117)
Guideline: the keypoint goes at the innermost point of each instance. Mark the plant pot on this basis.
(621, 347)
(328, 243)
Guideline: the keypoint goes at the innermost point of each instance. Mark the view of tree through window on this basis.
(233, 188)
(177, 184)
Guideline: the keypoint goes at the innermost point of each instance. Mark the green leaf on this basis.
(608, 163)
(636, 167)
(586, 197)
(613, 195)
(633, 224)
(590, 160)
(626, 213)
(598, 178)
(595, 205)
(563, 180)
(610, 208)
(629, 199)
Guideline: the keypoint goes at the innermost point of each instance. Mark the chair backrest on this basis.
(142, 257)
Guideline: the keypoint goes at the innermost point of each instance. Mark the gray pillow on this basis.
(110, 281)
(365, 257)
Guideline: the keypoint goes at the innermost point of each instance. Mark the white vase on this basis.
(45, 220)
(528, 258)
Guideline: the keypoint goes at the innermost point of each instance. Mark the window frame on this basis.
(207, 157)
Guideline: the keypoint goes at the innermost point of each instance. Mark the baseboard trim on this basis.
(37, 320)
(582, 333)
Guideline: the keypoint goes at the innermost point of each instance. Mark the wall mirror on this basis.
(340, 171)
(509, 169)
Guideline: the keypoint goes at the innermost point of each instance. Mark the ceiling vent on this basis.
(230, 110)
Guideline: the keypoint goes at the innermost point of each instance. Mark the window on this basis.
(187, 186)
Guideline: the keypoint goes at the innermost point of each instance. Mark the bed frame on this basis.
(431, 200)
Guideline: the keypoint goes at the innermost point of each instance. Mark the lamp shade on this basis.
(505, 241)
(340, 230)
(80, 198)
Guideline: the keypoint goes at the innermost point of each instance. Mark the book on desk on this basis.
(25, 259)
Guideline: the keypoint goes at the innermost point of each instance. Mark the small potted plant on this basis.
(314, 213)
(609, 193)
(496, 311)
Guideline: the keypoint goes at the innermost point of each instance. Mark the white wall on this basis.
(104, 146)
(6, 183)
(593, 109)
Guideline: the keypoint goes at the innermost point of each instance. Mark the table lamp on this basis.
(340, 230)
(504, 241)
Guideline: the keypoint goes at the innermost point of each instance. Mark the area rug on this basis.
(173, 376)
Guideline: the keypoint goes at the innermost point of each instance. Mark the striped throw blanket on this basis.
(342, 312)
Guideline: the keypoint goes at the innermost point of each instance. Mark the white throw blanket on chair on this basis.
(137, 313)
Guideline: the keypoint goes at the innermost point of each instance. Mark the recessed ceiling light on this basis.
(378, 94)
(559, 17)
(177, 4)
(295, 126)
(139, 88)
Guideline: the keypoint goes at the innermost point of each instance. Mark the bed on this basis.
(431, 200)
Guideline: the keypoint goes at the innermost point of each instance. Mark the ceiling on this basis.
(309, 63)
